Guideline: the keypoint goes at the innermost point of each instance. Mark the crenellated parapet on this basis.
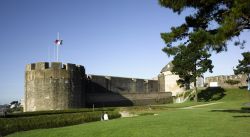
(54, 66)
(121, 84)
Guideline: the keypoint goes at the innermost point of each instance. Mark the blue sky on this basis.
(112, 37)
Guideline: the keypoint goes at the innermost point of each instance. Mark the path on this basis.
(127, 114)
(202, 105)
(247, 104)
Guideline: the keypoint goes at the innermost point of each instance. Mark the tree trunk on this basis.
(195, 90)
(248, 82)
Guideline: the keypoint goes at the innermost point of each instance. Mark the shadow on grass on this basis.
(246, 116)
(242, 87)
(232, 111)
(245, 110)
(211, 94)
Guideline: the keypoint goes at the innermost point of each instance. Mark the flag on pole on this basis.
(58, 42)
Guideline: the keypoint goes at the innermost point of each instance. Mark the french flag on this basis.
(58, 42)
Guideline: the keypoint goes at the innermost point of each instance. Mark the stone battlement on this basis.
(91, 76)
(122, 84)
(52, 86)
(225, 77)
(53, 66)
(57, 86)
(221, 80)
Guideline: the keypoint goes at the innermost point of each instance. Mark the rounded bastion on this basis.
(54, 86)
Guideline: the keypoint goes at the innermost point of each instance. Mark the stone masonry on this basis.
(57, 86)
(54, 86)
(221, 80)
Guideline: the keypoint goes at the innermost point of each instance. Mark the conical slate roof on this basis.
(168, 67)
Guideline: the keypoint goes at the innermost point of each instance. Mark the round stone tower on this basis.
(167, 80)
(54, 86)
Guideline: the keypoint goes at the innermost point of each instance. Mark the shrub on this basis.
(10, 125)
(146, 114)
(232, 82)
(211, 94)
(205, 84)
(52, 112)
(246, 109)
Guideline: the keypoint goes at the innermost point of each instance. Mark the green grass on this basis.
(221, 120)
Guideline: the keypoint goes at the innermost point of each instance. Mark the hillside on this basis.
(220, 94)
(224, 119)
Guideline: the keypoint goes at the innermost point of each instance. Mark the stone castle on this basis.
(57, 86)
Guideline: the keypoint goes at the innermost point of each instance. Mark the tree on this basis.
(13, 102)
(217, 20)
(189, 63)
(210, 26)
(244, 66)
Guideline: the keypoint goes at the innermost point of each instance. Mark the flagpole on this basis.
(54, 57)
(49, 54)
(57, 47)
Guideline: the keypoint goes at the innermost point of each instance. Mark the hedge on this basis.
(52, 112)
(247, 109)
(11, 125)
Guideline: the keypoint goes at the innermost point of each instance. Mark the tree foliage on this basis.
(215, 20)
(189, 63)
(244, 65)
(209, 27)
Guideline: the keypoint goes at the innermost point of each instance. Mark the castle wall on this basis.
(161, 81)
(221, 80)
(127, 99)
(57, 86)
(54, 86)
(117, 91)
(122, 85)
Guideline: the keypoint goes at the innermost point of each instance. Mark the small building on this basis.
(167, 81)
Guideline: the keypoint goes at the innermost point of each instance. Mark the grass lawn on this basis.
(221, 120)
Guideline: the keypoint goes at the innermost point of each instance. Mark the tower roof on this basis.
(168, 67)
